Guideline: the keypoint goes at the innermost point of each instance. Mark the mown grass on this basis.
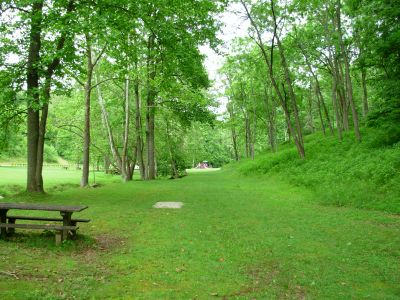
(13, 179)
(347, 173)
(237, 237)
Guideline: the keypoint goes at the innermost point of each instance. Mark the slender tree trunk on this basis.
(233, 133)
(299, 134)
(254, 129)
(344, 96)
(133, 164)
(310, 109)
(319, 112)
(320, 97)
(150, 113)
(124, 160)
(248, 136)
(336, 107)
(364, 91)
(40, 146)
(322, 100)
(332, 60)
(107, 164)
(297, 139)
(341, 88)
(90, 65)
(138, 125)
(106, 122)
(341, 95)
(289, 83)
(86, 131)
(174, 168)
(33, 93)
(234, 141)
(270, 111)
(349, 84)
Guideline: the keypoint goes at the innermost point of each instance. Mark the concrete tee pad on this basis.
(174, 205)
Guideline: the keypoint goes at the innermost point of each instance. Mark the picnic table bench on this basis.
(62, 230)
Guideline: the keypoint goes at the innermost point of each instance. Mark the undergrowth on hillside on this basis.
(347, 173)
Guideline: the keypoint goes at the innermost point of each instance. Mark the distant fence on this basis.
(61, 166)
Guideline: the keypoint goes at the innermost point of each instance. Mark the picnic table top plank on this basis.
(36, 218)
(38, 226)
(47, 207)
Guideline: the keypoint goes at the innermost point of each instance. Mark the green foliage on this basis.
(206, 143)
(385, 135)
(14, 146)
(11, 113)
(50, 154)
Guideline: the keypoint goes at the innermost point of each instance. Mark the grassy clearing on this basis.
(13, 179)
(237, 237)
(365, 175)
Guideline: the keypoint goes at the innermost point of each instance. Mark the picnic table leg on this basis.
(73, 231)
(58, 237)
(66, 222)
(3, 219)
(11, 230)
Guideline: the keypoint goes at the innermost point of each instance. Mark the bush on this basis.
(50, 154)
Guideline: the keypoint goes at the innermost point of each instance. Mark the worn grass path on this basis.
(236, 238)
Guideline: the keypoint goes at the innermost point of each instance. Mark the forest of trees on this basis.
(307, 66)
(123, 83)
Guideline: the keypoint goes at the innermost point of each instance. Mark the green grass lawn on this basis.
(237, 237)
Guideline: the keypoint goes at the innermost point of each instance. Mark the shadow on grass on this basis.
(79, 245)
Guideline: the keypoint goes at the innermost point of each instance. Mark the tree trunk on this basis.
(342, 103)
(322, 100)
(332, 60)
(106, 122)
(319, 112)
(51, 68)
(126, 172)
(33, 93)
(298, 139)
(310, 109)
(233, 132)
(336, 107)
(107, 164)
(150, 113)
(40, 146)
(320, 97)
(86, 131)
(288, 80)
(364, 91)
(247, 135)
(291, 93)
(174, 168)
(338, 71)
(138, 125)
(270, 111)
(254, 130)
(349, 85)
(234, 142)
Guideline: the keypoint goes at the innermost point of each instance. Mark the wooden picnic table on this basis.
(66, 212)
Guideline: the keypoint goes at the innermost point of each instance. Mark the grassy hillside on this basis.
(363, 175)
